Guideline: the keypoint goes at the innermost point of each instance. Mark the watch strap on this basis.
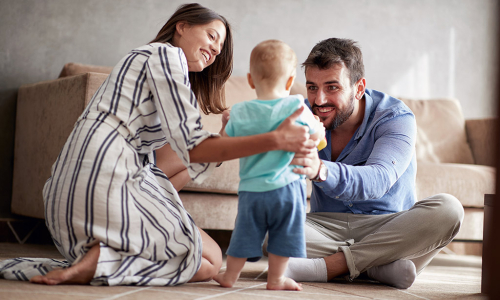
(317, 178)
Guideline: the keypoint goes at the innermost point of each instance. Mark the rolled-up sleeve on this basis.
(176, 104)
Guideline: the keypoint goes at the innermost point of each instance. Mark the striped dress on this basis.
(105, 187)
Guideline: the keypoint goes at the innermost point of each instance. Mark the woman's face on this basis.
(200, 43)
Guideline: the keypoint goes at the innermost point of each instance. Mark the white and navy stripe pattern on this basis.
(24, 268)
(104, 187)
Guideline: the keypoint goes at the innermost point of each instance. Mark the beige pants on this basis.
(417, 234)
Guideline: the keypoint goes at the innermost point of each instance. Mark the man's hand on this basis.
(310, 163)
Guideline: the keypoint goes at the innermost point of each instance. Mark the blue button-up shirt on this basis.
(375, 173)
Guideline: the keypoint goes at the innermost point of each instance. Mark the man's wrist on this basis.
(322, 173)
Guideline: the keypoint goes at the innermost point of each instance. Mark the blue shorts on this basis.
(280, 212)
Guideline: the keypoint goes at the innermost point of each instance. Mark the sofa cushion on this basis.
(225, 180)
(71, 69)
(472, 225)
(469, 183)
(211, 211)
(46, 114)
(441, 135)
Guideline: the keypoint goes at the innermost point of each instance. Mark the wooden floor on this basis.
(447, 277)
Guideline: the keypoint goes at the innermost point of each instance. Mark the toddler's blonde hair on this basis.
(272, 61)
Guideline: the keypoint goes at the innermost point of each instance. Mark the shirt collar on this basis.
(368, 108)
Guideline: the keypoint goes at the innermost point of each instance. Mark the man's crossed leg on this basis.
(391, 248)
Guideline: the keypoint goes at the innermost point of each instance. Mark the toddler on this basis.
(271, 197)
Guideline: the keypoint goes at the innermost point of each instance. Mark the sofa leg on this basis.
(10, 222)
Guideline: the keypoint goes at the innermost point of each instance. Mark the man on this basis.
(364, 215)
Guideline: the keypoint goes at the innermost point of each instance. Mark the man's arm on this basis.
(388, 160)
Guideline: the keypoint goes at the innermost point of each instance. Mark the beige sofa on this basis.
(454, 155)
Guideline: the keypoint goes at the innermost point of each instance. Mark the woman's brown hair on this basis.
(207, 85)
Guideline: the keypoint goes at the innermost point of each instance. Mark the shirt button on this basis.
(393, 162)
(337, 197)
(350, 205)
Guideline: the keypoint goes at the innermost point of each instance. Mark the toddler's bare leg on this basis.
(234, 265)
(275, 278)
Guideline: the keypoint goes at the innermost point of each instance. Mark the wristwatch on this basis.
(322, 173)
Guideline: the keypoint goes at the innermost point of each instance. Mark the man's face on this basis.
(330, 95)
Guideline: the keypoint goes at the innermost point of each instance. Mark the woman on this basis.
(115, 215)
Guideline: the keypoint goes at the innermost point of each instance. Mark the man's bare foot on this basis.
(225, 280)
(284, 283)
(80, 273)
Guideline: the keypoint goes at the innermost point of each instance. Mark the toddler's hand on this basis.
(224, 118)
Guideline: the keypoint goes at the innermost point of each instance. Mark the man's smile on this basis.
(323, 111)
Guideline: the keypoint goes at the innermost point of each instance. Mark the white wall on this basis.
(416, 49)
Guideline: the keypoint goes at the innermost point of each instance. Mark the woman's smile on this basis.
(200, 43)
(206, 55)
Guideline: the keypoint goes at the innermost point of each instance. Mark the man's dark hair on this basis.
(334, 51)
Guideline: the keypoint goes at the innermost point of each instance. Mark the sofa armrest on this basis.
(46, 114)
(481, 137)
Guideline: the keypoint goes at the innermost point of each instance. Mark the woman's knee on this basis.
(211, 251)
(211, 260)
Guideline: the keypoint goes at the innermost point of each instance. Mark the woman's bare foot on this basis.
(225, 280)
(80, 273)
(284, 283)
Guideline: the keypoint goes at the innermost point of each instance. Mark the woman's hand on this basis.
(310, 163)
(293, 137)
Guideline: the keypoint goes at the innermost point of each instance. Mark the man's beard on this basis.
(341, 115)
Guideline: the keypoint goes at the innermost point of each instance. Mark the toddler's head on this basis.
(272, 64)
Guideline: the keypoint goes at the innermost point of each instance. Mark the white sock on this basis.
(306, 269)
(400, 274)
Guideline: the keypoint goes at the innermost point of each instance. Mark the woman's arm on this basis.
(288, 137)
(168, 161)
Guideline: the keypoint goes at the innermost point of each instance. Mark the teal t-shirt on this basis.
(269, 170)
